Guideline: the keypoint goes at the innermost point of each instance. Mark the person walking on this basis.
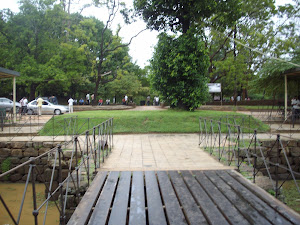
(39, 104)
(24, 108)
(126, 100)
(148, 100)
(92, 98)
(70, 101)
(87, 98)
(22, 105)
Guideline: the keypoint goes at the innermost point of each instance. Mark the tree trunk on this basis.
(235, 79)
(32, 91)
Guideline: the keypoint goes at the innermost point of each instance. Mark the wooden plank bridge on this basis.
(178, 197)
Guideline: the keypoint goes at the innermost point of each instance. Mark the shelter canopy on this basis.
(6, 73)
(291, 73)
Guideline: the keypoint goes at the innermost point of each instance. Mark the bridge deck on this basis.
(178, 197)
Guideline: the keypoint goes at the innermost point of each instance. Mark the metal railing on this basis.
(229, 144)
(32, 126)
(86, 151)
(7, 117)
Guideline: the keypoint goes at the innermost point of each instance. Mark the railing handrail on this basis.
(92, 147)
(206, 134)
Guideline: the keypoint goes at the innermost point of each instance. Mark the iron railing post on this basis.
(200, 131)
(102, 142)
(35, 213)
(211, 137)
(112, 132)
(95, 149)
(255, 156)
(229, 144)
(99, 146)
(76, 169)
(53, 128)
(111, 126)
(277, 165)
(105, 131)
(219, 123)
(88, 157)
(62, 213)
(238, 148)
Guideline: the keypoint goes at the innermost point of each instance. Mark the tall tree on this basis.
(255, 34)
(188, 90)
(109, 48)
(181, 15)
(179, 70)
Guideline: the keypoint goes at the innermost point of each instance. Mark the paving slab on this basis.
(159, 152)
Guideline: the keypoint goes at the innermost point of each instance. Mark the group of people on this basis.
(295, 106)
(23, 103)
(89, 99)
(125, 100)
(155, 100)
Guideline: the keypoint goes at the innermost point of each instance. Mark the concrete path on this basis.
(159, 152)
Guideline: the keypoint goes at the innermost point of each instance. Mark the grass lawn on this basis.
(291, 194)
(164, 121)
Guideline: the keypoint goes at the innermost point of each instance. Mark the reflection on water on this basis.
(12, 194)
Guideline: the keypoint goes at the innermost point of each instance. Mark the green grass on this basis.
(164, 121)
(291, 195)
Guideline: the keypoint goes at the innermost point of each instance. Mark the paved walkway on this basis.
(159, 152)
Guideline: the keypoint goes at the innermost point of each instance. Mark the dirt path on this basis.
(147, 108)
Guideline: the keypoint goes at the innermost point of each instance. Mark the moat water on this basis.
(12, 194)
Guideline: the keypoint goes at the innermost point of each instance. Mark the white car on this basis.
(47, 108)
(8, 104)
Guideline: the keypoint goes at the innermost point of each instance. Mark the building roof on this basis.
(292, 72)
(6, 73)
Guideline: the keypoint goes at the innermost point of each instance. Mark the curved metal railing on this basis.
(87, 151)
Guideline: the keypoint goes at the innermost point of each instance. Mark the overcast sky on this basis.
(142, 46)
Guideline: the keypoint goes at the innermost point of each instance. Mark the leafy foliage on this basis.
(181, 15)
(271, 79)
(62, 53)
(179, 70)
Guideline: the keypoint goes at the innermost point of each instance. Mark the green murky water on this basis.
(12, 194)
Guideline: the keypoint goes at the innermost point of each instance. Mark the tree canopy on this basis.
(240, 36)
(179, 70)
(181, 15)
(64, 54)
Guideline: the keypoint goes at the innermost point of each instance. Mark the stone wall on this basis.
(271, 151)
(16, 153)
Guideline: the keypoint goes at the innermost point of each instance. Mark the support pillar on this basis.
(285, 96)
(14, 100)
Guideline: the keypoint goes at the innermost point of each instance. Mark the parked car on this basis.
(44, 98)
(8, 104)
(47, 108)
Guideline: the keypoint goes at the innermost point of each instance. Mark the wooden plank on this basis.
(137, 214)
(101, 210)
(289, 214)
(190, 207)
(119, 210)
(211, 211)
(256, 202)
(174, 212)
(231, 213)
(250, 213)
(156, 213)
(84, 208)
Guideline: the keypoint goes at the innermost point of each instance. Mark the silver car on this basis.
(47, 108)
(8, 104)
